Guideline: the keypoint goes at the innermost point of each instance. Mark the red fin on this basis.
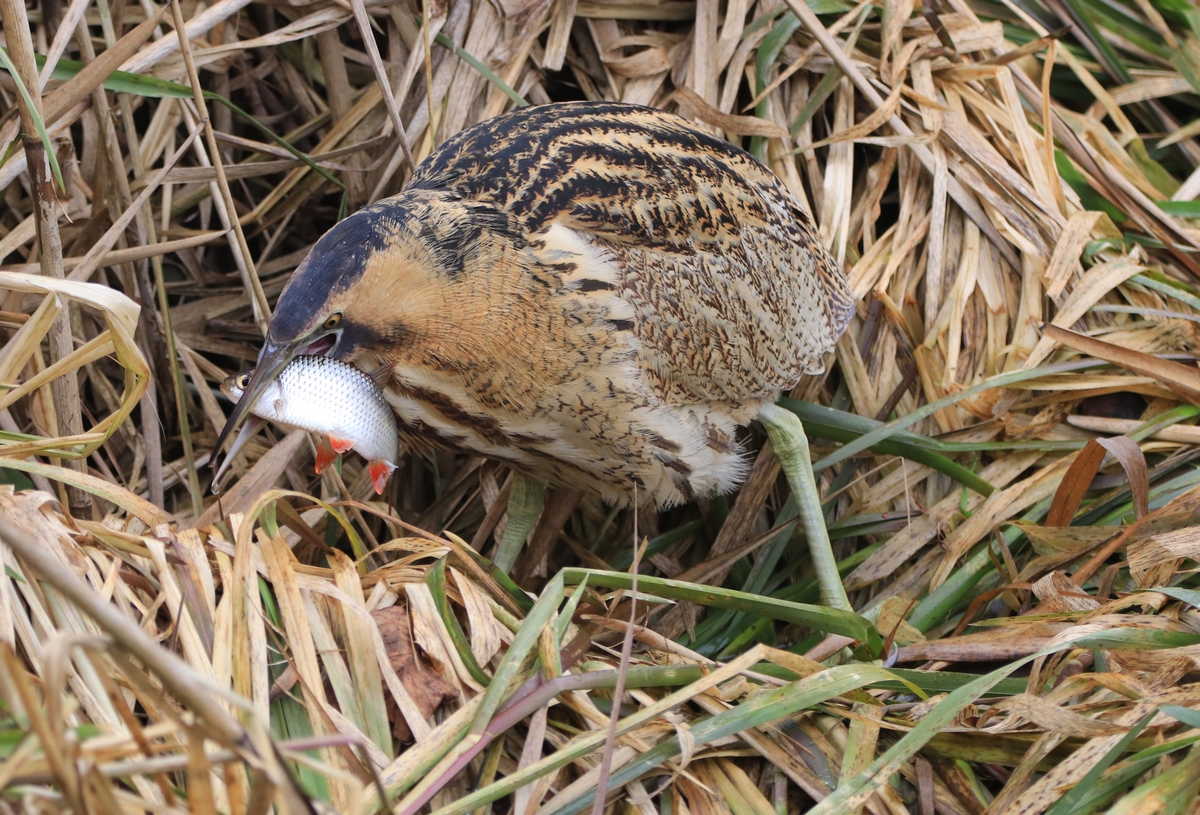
(340, 445)
(380, 470)
(325, 454)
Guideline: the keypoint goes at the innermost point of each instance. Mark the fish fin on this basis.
(380, 470)
(280, 406)
(341, 445)
(325, 454)
(382, 375)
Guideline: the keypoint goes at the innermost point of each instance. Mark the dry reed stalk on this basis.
(65, 388)
(993, 266)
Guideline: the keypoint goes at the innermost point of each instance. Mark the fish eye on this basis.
(243, 381)
(333, 320)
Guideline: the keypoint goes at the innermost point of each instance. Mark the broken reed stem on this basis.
(64, 389)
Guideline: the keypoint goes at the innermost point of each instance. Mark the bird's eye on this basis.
(332, 321)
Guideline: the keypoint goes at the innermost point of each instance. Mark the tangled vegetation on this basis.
(1006, 440)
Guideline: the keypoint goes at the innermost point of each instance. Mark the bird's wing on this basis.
(738, 322)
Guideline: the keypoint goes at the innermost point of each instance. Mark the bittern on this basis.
(596, 294)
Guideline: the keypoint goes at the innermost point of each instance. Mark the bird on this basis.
(596, 294)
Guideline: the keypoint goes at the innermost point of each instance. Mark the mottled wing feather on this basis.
(733, 295)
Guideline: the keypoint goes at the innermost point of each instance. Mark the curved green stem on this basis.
(791, 446)
(524, 506)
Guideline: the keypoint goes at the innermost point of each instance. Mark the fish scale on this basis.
(325, 396)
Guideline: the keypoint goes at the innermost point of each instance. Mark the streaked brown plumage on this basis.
(595, 294)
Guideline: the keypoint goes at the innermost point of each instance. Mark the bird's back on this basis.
(732, 295)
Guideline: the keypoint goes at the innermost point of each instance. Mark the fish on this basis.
(330, 398)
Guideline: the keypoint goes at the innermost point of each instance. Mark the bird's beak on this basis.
(252, 426)
(273, 358)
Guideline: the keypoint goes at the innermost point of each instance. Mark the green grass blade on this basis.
(768, 52)
(435, 578)
(524, 643)
(907, 678)
(289, 718)
(563, 623)
(816, 99)
(486, 72)
(837, 425)
(760, 711)
(1175, 289)
(1184, 209)
(1082, 17)
(38, 124)
(828, 620)
(1137, 639)
(124, 82)
(1184, 714)
(887, 431)
(270, 134)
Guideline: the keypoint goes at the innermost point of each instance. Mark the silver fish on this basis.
(325, 396)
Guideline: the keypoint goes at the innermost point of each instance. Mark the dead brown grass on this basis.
(1027, 305)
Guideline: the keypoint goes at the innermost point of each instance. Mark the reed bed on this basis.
(1006, 439)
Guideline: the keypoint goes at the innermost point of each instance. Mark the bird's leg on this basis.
(525, 503)
(791, 446)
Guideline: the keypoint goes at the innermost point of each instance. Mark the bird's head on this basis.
(373, 282)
